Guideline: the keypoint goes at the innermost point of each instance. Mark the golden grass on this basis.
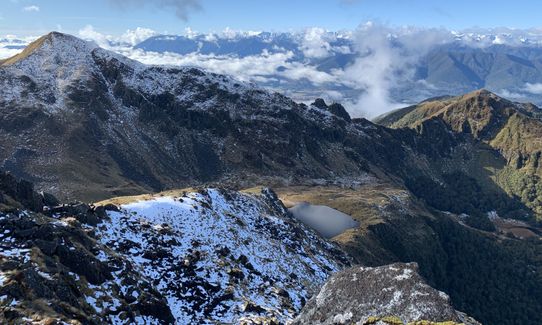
(143, 197)
(26, 52)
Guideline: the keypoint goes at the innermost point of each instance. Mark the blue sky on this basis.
(34, 17)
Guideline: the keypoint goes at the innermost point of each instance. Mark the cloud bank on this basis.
(266, 67)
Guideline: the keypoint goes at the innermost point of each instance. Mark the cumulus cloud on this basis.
(314, 44)
(32, 8)
(387, 57)
(535, 88)
(129, 38)
(182, 8)
(136, 36)
(266, 67)
(90, 34)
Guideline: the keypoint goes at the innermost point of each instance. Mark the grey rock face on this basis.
(365, 295)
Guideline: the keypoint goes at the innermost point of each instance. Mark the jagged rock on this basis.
(19, 191)
(250, 307)
(49, 200)
(393, 294)
(53, 260)
(339, 110)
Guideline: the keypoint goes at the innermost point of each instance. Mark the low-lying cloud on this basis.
(387, 57)
(535, 88)
(129, 38)
(262, 68)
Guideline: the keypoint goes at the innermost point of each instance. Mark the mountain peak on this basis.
(63, 47)
(482, 94)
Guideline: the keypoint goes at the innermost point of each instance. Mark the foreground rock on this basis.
(393, 294)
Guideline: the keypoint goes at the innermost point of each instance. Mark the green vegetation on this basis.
(508, 130)
(462, 194)
(491, 278)
(496, 282)
(527, 186)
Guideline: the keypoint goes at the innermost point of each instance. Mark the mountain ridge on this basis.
(510, 128)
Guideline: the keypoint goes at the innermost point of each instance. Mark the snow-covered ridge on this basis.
(222, 256)
(56, 64)
(211, 256)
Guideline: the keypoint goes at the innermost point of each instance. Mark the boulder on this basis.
(392, 294)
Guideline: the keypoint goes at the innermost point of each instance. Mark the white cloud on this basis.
(136, 36)
(129, 38)
(314, 44)
(387, 58)
(257, 68)
(510, 94)
(32, 8)
(533, 88)
(11, 45)
(90, 34)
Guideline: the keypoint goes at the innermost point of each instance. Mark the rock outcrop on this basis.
(393, 294)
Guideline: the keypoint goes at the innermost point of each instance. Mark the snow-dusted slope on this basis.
(207, 257)
(151, 127)
(59, 63)
(222, 256)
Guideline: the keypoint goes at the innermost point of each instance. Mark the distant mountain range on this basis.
(505, 63)
(305, 65)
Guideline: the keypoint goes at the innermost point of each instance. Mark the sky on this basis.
(36, 17)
